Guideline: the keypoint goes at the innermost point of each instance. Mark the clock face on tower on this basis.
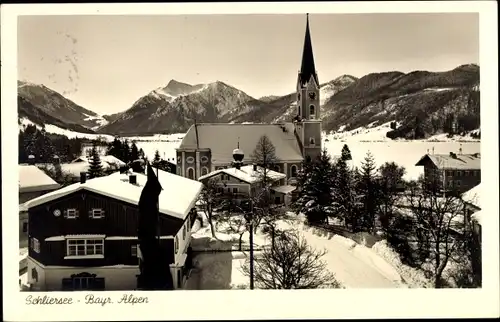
(312, 95)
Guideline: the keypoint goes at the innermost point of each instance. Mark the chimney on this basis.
(453, 155)
(83, 177)
(254, 167)
(31, 159)
(132, 179)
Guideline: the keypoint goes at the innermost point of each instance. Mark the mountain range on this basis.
(417, 99)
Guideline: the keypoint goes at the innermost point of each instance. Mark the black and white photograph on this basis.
(250, 151)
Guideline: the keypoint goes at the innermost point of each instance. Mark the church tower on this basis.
(308, 121)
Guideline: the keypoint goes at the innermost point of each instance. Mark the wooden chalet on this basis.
(84, 236)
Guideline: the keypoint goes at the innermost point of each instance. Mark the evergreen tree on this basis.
(315, 197)
(141, 154)
(368, 189)
(157, 158)
(126, 152)
(345, 200)
(391, 180)
(95, 166)
(134, 152)
(346, 153)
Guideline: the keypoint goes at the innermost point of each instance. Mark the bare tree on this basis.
(439, 218)
(292, 265)
(210, 198)
(234, 217)
(264, 156)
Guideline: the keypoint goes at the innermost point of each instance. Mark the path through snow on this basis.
(354, 265)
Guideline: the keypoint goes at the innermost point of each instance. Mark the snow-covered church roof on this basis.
(177, 198)
(31, 178)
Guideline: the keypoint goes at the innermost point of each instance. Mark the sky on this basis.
(106, 63)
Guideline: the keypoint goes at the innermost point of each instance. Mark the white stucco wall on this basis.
(119, 277)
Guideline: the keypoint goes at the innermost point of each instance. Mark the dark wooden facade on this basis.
(120, 220)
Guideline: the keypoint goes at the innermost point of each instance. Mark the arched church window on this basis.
(190, 173)
(312, 111)
(204, 171)
(293, 171)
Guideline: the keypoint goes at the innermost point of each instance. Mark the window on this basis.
(85, 247)
(293, 171)
(235, 190)
(176, 245)
(83, 281)
(312, 111)
(133, 251)
(204, 159)
(25, 227)
(466, 173)
(220, 190)
(35, 245)
(190, 173)
(71, 213)
(225, 177)
(184, 232)
(449, 173)
(190, 159)
(458, 183)
(312, 141)
(459, 173)
(450, 183)
(204, 171)
(97, 213)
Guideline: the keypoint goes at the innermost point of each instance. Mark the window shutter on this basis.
(90, 213)
(65, 213)
(103, 213)
(77, 213)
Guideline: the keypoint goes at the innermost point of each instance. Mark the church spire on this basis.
(307, 69)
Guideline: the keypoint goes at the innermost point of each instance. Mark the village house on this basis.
(245, 181)
(456, 172)
(84, 236)
(473, 213)
(207, 147)
(33, 182)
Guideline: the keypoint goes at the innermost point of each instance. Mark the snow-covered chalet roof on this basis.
(109, 160)
(473, 196)
(177, 198)
(459, 161)
(31, 178)
(284, 189)
(246, 173)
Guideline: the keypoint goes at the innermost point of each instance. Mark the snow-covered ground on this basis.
(49, 128)
(360, 141)
(354, 265)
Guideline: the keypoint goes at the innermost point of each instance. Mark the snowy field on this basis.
(404, 153)
(361, 140)
(354, 265)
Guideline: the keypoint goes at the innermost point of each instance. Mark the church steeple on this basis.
(307, 68)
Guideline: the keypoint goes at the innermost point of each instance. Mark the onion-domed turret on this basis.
(238, 155)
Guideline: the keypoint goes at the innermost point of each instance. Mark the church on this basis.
(207, 147)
